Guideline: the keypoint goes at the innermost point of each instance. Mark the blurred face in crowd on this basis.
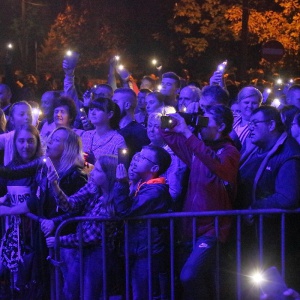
(295, 129)
(235, 108)
(56, 144)
(98, 176)
(206, 102)
(5, 96)
(102, 91)
(186, 97)
(61, 116)
(169, 87)
(133, 176)
(22, 115)
(26, 144)
(121, 100)
(213, 131)
(293, 97)
(98, 117)
(141, 100)
(247, 106)
(152, 104)
(153, 131)
(47, 103)
(146, 84)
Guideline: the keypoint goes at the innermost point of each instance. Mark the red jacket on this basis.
(212, 182)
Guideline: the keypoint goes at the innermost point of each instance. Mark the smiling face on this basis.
(247, 106)
(26, 145)
(56, 144)
(61, 116)
(22, 115)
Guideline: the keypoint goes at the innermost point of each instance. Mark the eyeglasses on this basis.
(254, 123)
(139, 155)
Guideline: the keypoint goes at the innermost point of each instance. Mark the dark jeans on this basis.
(198, 273)
(92, 272)
(139, 276)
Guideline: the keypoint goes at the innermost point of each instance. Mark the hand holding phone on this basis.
(123, 156)
(272, 284)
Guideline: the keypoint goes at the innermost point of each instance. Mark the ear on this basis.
(272, 125)
(155, 169)
(222, 127)
(127, 105)
(110, 114)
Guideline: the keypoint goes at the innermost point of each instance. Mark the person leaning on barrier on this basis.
(270, 166)
(213, 161)
(151, 197)
(269, 179)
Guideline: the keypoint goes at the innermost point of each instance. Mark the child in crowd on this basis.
(95, 199)
(151, 196)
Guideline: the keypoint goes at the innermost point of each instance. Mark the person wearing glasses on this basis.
(269, 179)
(213, 161)
(151, 197)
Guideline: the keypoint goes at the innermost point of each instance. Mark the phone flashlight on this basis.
(222, 66)
(159, 87)
(269, 91)
(276, 103)
(36, 112)
(121, 67)
(117, 57)
(279, 81)
(69, 53)
(123, 156)
(257, 278)
(10, 46)
(154, 62)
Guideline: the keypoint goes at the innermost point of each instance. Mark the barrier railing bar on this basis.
(172, 258)
(103, 248)
(149, 260)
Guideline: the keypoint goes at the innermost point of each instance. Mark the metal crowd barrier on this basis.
(237, 216)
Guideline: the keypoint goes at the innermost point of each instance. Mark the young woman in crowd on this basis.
(26, 148)
(94, 199)
(64, 150)
(20, 114)
(154, 102)
(104, 114)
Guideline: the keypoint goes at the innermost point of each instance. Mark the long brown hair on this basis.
(33, 130)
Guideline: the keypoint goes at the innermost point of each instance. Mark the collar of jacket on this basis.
(161, 180)
(264, 163)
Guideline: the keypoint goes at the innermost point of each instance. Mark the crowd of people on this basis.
(188, 148)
